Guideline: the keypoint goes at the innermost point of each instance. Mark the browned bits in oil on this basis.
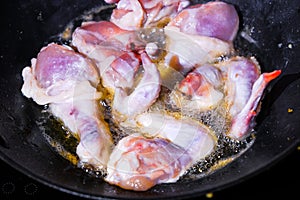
(66, 35)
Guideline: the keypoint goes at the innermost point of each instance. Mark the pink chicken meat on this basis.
(67, 81)
(138, 163)
(173, 145)
(214, 19)
(144, 94)
(110, 47)
(200, 90)
(135, 14)
(244, 88)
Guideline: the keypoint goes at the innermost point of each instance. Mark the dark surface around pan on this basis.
(278, 180)
(26, 26)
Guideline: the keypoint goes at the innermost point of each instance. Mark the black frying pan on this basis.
(26, 26)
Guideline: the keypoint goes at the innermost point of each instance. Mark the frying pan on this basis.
(269, 30)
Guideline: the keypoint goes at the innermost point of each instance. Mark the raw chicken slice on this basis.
(128, 15)
(186, 51)
(214, 19)
(67, 81)
(55, 74)
(243, 121)
(143, 96)
(199, 91)
(244, 87)
(180, 4)
(90, 35)
(83, 117)
(138, 163)
(239, 73)
(195, 138)
(160, 12)
(135, 14)
(111, 48)
(120, 73)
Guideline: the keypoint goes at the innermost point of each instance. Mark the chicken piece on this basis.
(67, 81)
(160, 12)
(195, 138)
(170, 147)
(128, 15)
(121, 72)
(111, 49)
(83, 117)
(90, 35)
(243, 121)
(186, 51)
(111, 1)
(198, 82)
(135, 14)
(138, 163)
(244, 86)
(199, 91)
(55, 74)
(143, 96)
(214, 19)
(180, 4)
(239, 73)
(200, 34)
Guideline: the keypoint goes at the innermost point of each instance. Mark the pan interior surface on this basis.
(269, 30)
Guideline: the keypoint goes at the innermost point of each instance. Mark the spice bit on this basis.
(290, 110)
(209, 195)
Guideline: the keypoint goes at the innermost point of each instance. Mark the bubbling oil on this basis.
(226, 149)
(64, 142)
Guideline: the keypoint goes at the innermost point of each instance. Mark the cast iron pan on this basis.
(26, 26)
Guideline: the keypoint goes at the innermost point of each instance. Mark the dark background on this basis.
(280, 180)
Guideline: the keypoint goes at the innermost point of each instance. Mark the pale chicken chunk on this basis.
(186, 51)
(135, 14)
(213, 19)
(243, 121)
(138, 163)
(128, 15)
(244, 88)
(142, 97)
(168, 148)
(111, 48)
(67, 81)
(199, 91)
(195, 138)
